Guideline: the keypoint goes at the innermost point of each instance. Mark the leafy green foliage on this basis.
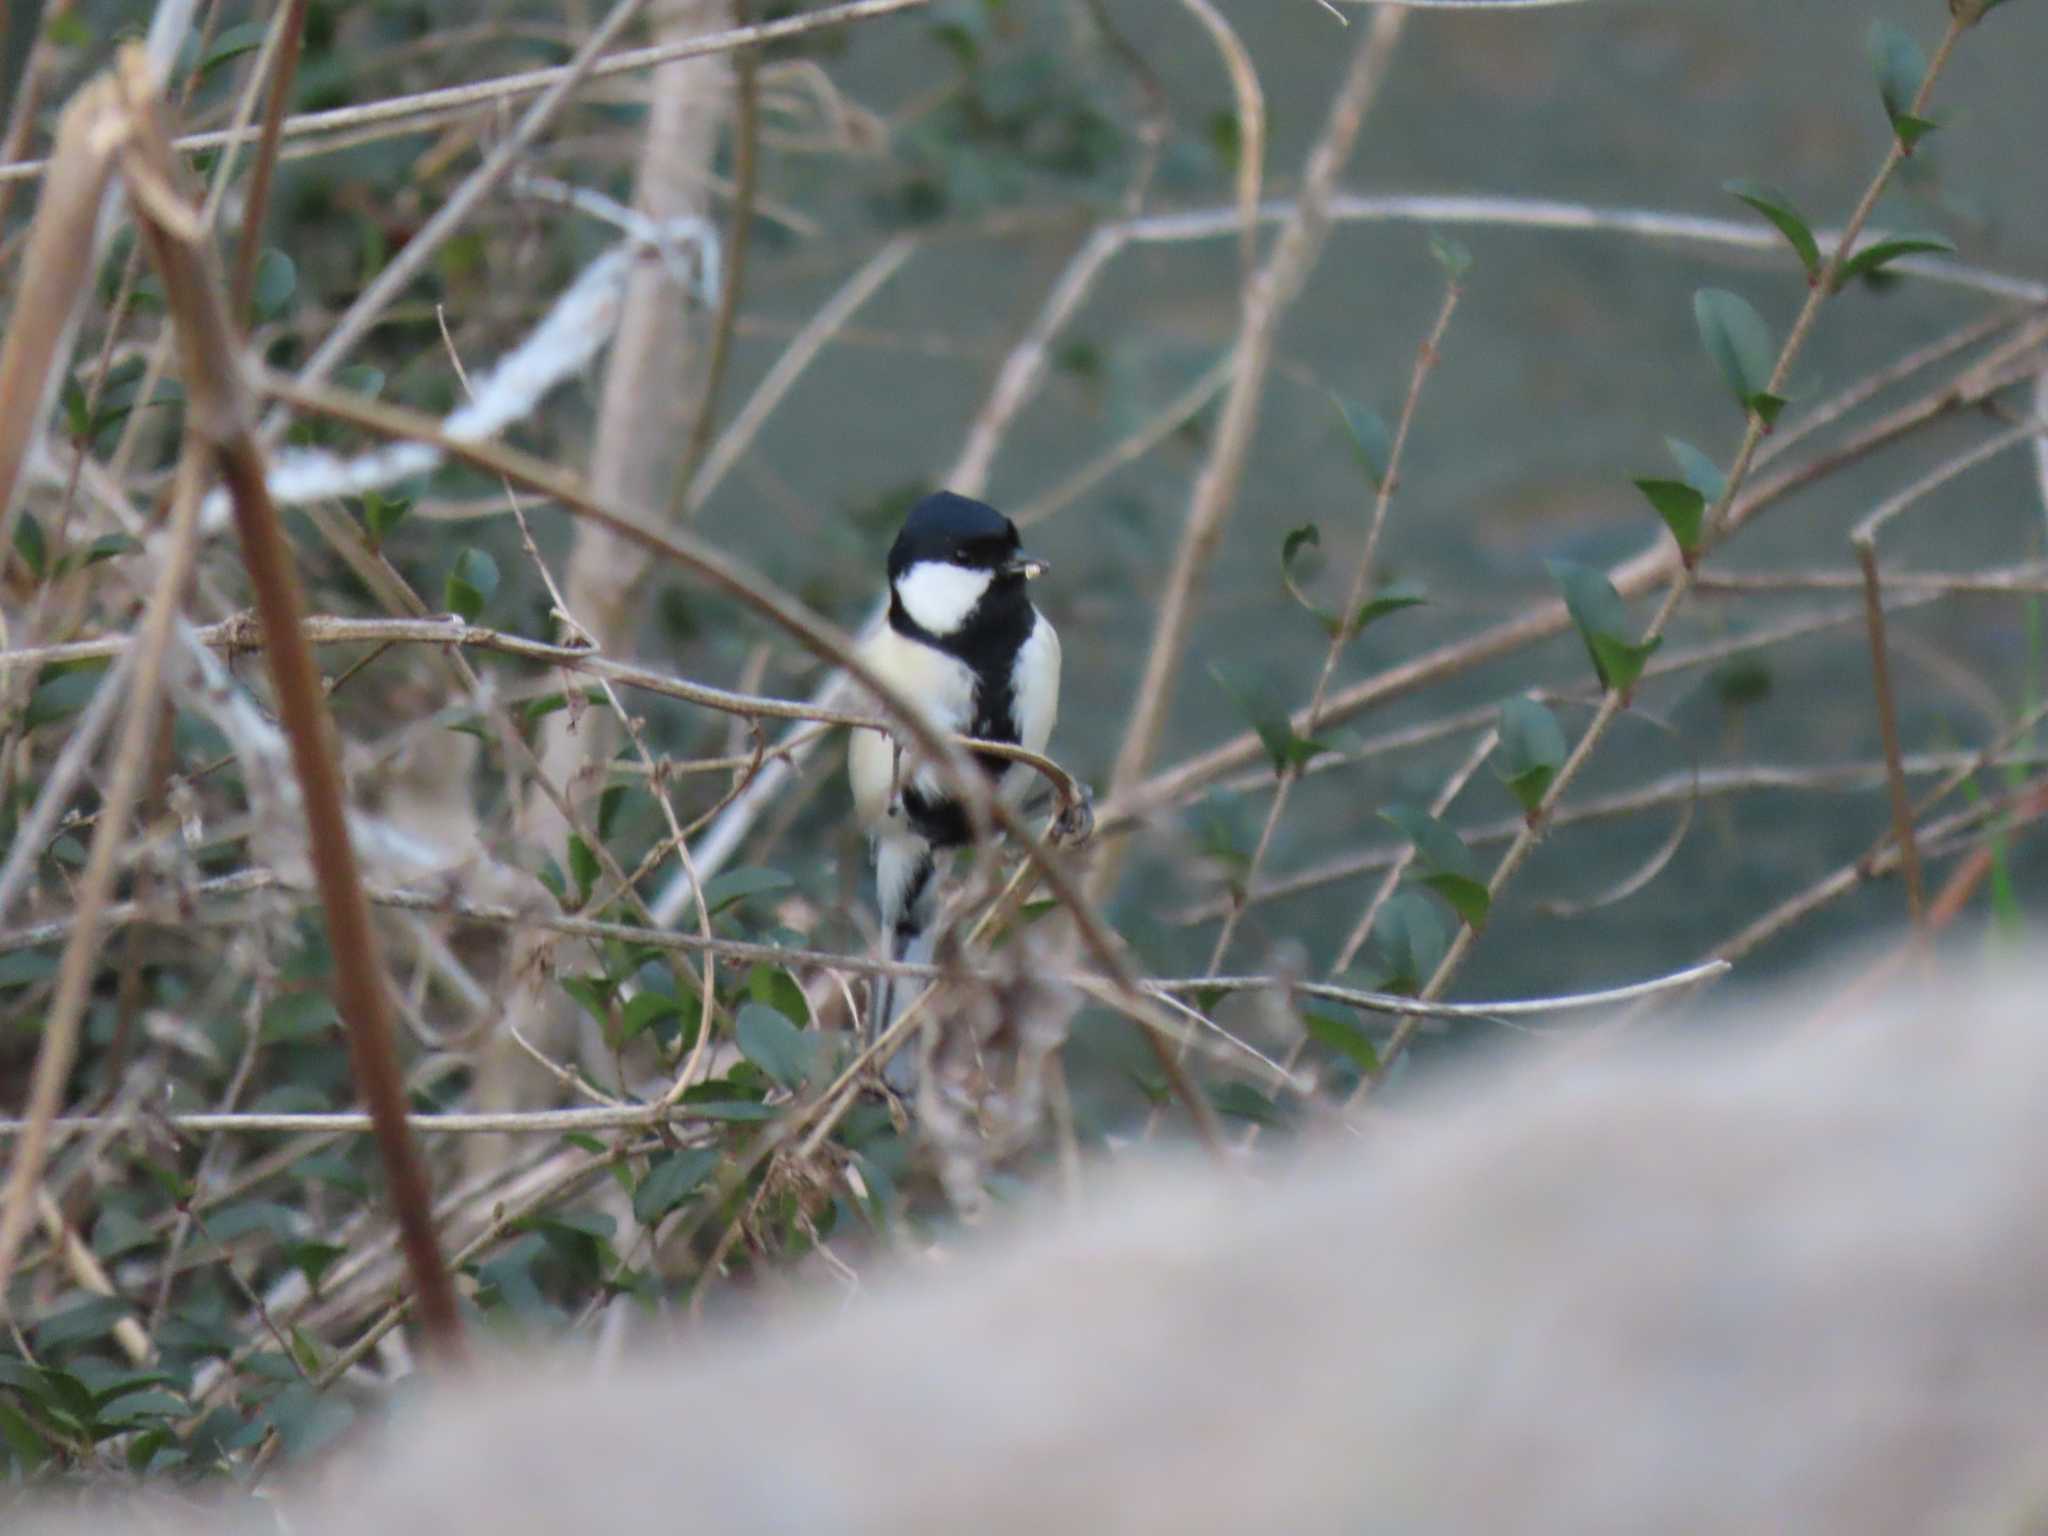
(471, 584)
(1391, 598)
(277, 279)
(1697, 470)
(1880, 252)
(1738, 340)
(382, 515)
(1777, 207)
(31, 546)
(744, 884)
(1371, 439)
(767, 1038)
(1900, 67)
(1408, 943)
(1344, 1034)
(1452, 255)
(1530, 752)
(1682, 507)
(1602, 622)
(1446, 864)
(672, 1179)
(1290, 753)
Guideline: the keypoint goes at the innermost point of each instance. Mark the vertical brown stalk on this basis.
(56, 273)
(1888, 732)
(265, 169)
(219, 415)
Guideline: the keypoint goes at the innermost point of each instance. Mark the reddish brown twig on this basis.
(219, 417)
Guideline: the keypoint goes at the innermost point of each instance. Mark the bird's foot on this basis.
(1076, 823)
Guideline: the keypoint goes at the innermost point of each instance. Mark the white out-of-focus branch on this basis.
(574, 330)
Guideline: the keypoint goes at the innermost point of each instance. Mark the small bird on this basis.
(963, 643)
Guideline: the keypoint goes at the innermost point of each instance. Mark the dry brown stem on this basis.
(56, 273)
(257, 202)
(220, 423)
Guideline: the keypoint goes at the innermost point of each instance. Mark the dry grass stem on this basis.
(219, 421)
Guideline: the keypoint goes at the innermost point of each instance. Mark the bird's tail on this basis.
(906, 888)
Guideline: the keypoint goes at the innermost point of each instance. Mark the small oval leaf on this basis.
(1739, 341)
(1777, 207)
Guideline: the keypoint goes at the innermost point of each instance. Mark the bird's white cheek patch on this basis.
(939, 597)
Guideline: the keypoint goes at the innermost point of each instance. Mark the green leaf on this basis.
(1408, 943)
(1531, 750)
(1777, 207)
(1289, 752)
(1697, 470)
(299, 1016)
(28, 1447)
(232, 43)
(1447, 865)
(644, 1010)
(470, 584)
(672, 1179)
(30, 545)
(1344, 1034)
(360, 379)
(1370, 439)
(306, 1421)
(1241, 1101)
(276, 279)
(312, 1259)
(775, 1045)
(1683, 509)
(61, 696)
(133, 1409)
(721, 891)
(26, 967)
(1901, 67)
(584, 868)
(382, 515)
(107, 546)
(1452, 256)
(1602, 622)
(592, 994)
(776, 988)
(231, 1223)
(93, 1319)
(1389, 599)
(1889, 248)
(67, 29)
(1307, 536)
(1740, 343)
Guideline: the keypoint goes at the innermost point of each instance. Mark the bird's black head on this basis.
(957, 530)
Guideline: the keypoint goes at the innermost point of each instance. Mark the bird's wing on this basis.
(1038, 687)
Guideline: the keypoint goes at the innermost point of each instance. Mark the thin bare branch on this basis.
(1267, 298)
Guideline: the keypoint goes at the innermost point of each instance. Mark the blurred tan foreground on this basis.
(1792, 1280)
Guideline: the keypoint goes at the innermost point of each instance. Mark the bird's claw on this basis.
(1075, 824)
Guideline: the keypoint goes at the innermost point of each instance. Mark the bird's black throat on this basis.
(988, 641)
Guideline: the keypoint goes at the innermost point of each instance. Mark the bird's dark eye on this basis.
(989, 551)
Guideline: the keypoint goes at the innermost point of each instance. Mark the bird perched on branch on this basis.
(964, 644)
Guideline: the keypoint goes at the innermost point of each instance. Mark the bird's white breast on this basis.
(941, 685)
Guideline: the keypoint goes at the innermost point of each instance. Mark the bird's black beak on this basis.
(1030, 570)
